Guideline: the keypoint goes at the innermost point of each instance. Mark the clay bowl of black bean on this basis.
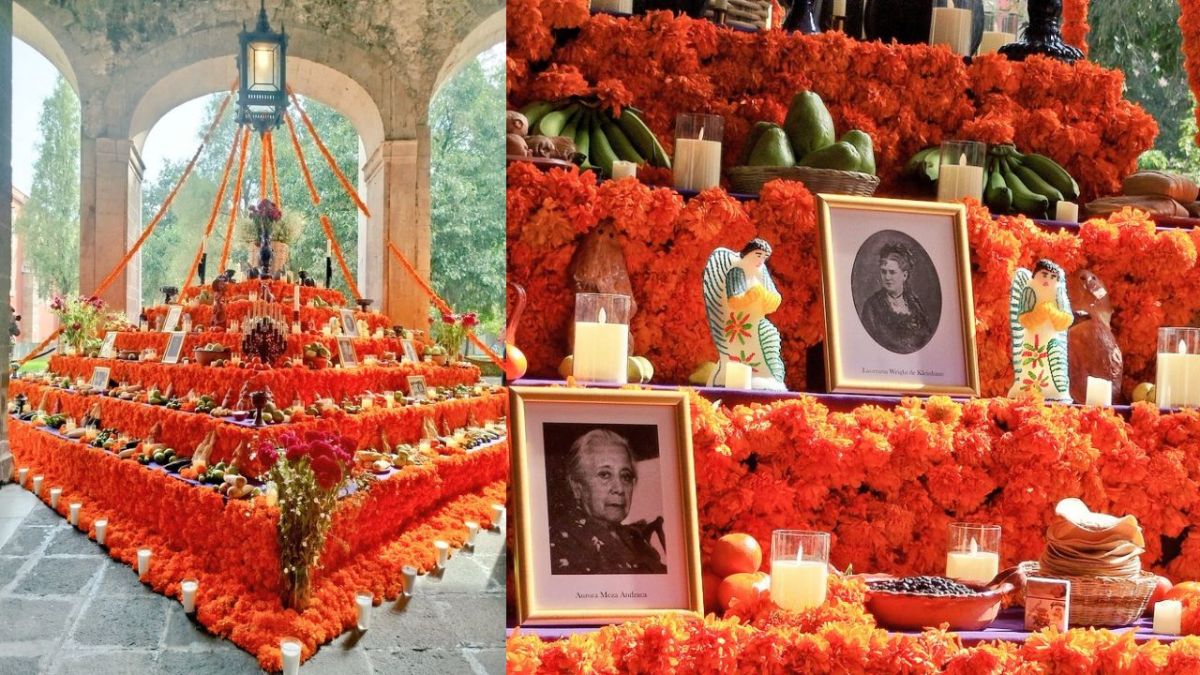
(916, 603)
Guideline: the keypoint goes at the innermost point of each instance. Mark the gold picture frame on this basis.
(912, 362)
(678, 586)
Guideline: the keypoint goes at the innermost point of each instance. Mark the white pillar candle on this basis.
(1067, 212)
(75, 508)
(143, 562)
(295, 298)
(621, 6)
(952, 27)
(290, 650)
(972, 565)
(55, 493)
(363, 601)
(367, 402)
(992, 41)
(443, 552)
(410, 579)
(622, 169)
(839, 7)
(1168, 615)
(697, 164)
(956, 181)
(1177, 380)
(22, 475)
(1099, 391)
(601, 351)
(37, 485)
(472, 532)
(188, 588)
(497, 516)
(738, 376)
(101, 529)
(799, 584)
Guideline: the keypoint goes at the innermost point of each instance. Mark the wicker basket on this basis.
(748, 14)
(750, 179)
(1102, 601)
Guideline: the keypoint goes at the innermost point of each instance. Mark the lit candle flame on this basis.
(962, 159)
(1182, 348)
(974, 546)
(800, 553)
(603, 318)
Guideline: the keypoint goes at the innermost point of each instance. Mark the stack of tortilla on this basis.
(1080, 543)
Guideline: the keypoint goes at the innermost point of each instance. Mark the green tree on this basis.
(467, 197)
(49, 223)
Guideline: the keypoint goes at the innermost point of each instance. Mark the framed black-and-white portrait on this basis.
(416, 387)
(349, 325)
(174, 347)
(100, 376)
(171, 323)
(605, 505)
(410, 351)
(346, 354)
(108, 347)
(899, 314)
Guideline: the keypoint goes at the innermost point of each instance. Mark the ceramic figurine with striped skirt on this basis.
(1040, 314)
(738, 296)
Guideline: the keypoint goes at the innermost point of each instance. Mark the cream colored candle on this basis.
(621, 6)
(1168, 615)
(443, 552)
(1068, 212)
(993, 40)
(972, 565)
(37, 485)
(143, 562)
(622, 169)
(956, 181)
(738, 376)
(951, 27)
(1177, 380)
(472, 532)
(55, 493)
(410, 579)
(75, 507)
(497, 516)
(290, 650)
(1099, 391)
(101, 530)
(295, 298)
(22, 475)
(799, 584)
(363, 601)
(188, 588)
(697, 164)
(601, 351)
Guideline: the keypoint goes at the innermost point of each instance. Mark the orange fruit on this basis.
(744, 587)
(737, 552)
(1187, 592)
(711, 584)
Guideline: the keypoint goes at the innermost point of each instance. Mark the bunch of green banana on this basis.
(598, 136)
(1026, 183)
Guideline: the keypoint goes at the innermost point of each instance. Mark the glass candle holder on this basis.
(698, 151)
(953, 26)
(960, 173)
(601, 338)
(974, 552)
(613, 6)
(1177, 371)
(290, 649)
(799, 568)
(1001, 29)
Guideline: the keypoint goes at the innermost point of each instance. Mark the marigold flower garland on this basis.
(1075, 24)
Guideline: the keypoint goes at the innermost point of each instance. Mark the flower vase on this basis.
(299, 592)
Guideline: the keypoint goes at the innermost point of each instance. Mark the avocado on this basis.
(772, 149)
(808, 124)
(756, 133)
(840, 155)
(861, 141)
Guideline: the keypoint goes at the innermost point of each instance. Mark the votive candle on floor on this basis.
(55, 493)
(364, 600)
(290, 650)
(22, 474)
(497, 516)
(101, 530)
(1168, 615)
(472, 532)
(37, 485)
(410, 579)
(443, 552)
(188, 588)
(75, 507)
(143, 560)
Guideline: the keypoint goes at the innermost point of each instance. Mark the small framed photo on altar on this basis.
(346, 354)
(899, 315)
(605, 505)
(108, 347)
(100, 376)
(410, 351)
(174, 313)
(416, 387)
(174, 347)
(349, 325)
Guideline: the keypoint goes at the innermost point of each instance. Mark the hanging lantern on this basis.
(262, 70)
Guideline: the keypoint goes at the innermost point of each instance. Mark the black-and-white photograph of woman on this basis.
(896, 291)
(600, 521)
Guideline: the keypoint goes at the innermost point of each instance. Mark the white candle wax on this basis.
(601, 352)
(364, 600)
(839, 7)
(738, 376)
(143, 562)
(1168, 615)
(1177, 380)
(74, 518)
(55, 493)
(951, 27)
(799, 584)
(410, 579)
(956, 181)
(295, 298)
(1067, 212)
(977, 566)
(1099, 391)
(443, 552)
(497, 516)
(622, 6)
(622, 169)
(367, 402)
(37, 485)
(101, 529)
(992, 41)
(290, 650)
(22, 474)
(472, 532)
(188, 588)
(697, 164)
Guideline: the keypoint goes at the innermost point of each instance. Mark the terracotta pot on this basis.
(316, 362)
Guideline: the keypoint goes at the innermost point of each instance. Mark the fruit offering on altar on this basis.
(1027, 183)
(917, 603)
(213, 353)
(519, 144)
(1157, 192)
(596, 135)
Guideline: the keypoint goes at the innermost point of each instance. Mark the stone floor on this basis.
(65, 607)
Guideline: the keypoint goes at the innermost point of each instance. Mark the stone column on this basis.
(110, 219)
(396, 176)
(6, 36)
